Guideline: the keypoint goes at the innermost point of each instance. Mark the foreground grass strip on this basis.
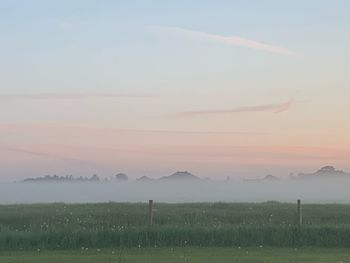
(184, 254)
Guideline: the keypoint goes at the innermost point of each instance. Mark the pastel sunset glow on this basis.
(218, 88)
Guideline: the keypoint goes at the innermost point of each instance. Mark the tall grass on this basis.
(82, 226)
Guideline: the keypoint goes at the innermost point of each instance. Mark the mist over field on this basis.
(310, 191)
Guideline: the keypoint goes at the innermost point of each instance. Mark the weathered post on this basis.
(150, 212)
(300, 216)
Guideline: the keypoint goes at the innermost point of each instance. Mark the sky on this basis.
(218, 88)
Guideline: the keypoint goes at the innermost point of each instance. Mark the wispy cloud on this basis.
(65, 96)
(228, 40)
(71, 24)
(265, 153)
(69, 160)
(93, 131)
(189, 132)
(275, 108)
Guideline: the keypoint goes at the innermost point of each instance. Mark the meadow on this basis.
(124, 225)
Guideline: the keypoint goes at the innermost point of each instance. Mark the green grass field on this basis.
(111, 225)
(180, 255)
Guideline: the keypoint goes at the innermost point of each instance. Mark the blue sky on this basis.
(76, 37)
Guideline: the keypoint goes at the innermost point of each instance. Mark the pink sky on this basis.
(43, 149)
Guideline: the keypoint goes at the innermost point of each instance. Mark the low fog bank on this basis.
(310, 191)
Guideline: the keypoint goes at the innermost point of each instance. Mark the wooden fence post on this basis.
(300, 215)
(150, 212)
